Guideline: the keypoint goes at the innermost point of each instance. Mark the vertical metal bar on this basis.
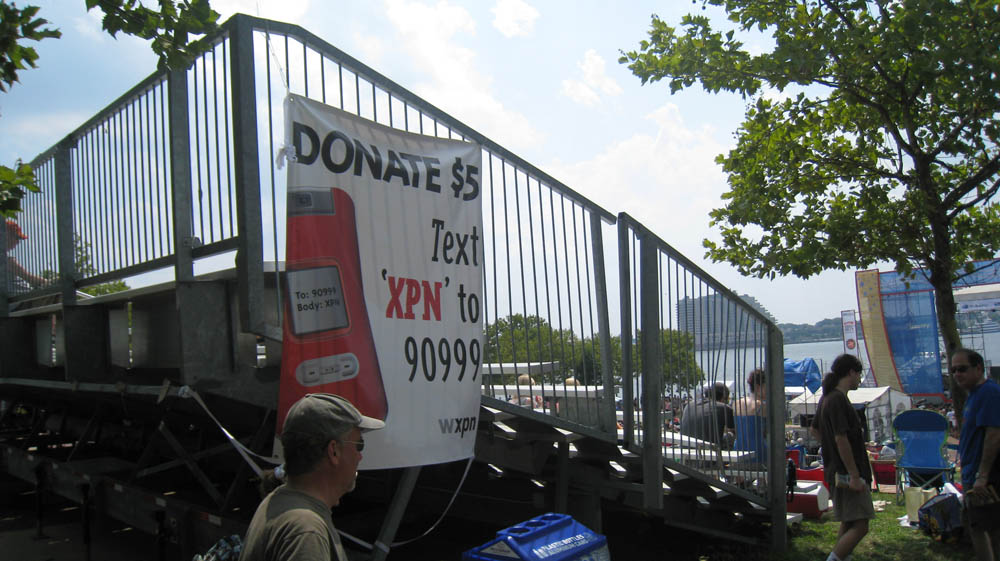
(161, 183)
(396, 509)
(196, 204)
(545, 269)
(108, 211)
(4, 296)
(64, 223)
(274, 203)
(218, 152)
(652, 375)
(94, 219)
(250, 268)
(227, 56)
(776, 427)
(180, 173)
(322, 76)
(121, 248)
(144, 184)
(158, 158)
(134, 212)
(607, 403)
(207, 174)
(305, 68)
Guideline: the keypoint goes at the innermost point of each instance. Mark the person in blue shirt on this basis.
(979, 442)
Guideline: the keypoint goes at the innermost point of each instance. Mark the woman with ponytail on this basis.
(845, 461)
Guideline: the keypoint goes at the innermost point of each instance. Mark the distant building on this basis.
(717, 320)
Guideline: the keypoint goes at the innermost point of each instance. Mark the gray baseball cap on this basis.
(326, 414)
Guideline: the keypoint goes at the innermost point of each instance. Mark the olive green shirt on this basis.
(291, 525)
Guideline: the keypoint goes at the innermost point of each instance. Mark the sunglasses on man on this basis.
(359, 445)
(962, 368)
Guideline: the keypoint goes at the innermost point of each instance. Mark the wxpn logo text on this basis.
(458, 425)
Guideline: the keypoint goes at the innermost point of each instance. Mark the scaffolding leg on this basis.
(39, 502)
(85, 519)
(395, 514)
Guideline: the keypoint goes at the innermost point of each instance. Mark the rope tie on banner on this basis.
(446, 508)
(385, 547)
(187, 392)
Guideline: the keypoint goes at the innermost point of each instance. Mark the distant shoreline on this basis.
(814, 341)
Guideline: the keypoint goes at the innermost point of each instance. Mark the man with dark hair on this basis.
(710, 419)
(322, 444)
(978, 445)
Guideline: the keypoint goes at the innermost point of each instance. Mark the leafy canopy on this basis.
(16, 26)
(870, 133)
(168, 29)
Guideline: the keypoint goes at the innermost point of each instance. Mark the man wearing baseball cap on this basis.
(322, 443)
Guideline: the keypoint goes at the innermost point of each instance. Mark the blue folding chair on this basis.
(922, 462)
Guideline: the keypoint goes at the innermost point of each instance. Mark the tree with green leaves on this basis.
(871, 134)
(520, 338)
(169, 29)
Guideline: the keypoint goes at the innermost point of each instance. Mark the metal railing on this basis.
(706, 335)
(184, 167)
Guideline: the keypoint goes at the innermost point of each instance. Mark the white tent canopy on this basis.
(881, 405)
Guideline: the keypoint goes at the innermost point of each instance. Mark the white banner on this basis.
(850, 328)
(384, 281)
(985, 305)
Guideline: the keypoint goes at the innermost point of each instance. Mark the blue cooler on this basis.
(552, 537)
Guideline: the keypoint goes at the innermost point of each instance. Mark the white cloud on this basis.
(592, 66)
(27, 133)
(89, 26)
(452, 78)
(290, 11)
(594, 80)
(514, 17)
(580, 92)
(667, 180)
(370, 47)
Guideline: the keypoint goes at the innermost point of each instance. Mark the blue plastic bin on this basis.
(549, 537)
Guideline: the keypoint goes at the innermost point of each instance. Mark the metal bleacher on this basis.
(157, 229)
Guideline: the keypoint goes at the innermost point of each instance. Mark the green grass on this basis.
(886, 540)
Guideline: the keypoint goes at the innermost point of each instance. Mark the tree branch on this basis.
(985, 196)
(966, 187)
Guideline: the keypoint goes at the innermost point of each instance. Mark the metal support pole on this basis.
(250, 255)
(776, 428)
(3, 276)
(85, 519)
(64, 223)
(562, 484)
(625, 299)
(39, 501)
(180, 174)
(652, 374)
(396, 509)
(606, 403)
(162, 535)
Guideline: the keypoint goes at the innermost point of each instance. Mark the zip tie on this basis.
(362, 543)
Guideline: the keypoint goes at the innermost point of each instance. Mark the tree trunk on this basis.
(942, 274)
(945, 300)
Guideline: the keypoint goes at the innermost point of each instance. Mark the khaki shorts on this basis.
(849, 506)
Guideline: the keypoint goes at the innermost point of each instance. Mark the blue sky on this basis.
(540, 78)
